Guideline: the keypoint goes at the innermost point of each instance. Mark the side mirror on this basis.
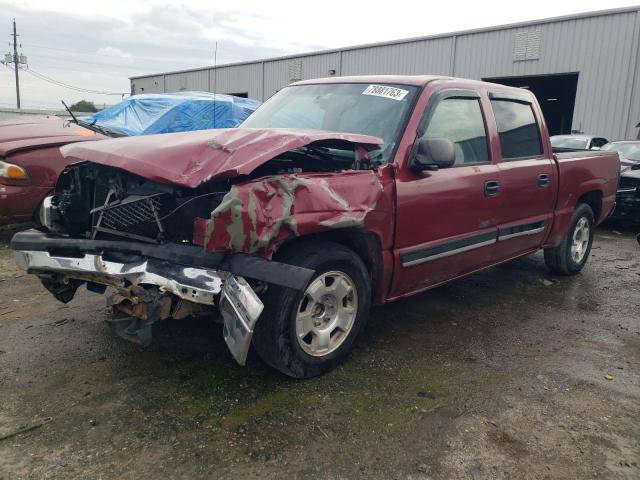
(595, 148)
(433, 153)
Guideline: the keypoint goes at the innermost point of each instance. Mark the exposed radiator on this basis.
(135, 217)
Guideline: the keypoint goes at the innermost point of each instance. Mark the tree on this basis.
(83, 106)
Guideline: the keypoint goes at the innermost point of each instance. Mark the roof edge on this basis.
(526, 23)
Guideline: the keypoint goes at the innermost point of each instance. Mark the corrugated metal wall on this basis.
(599, 48)
(188, 81)
(153, 84)
(414, 58)
(633, 126)
(279, 73)
(603, 49)
(238, 79)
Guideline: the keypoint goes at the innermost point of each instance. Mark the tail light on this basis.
(11, 174)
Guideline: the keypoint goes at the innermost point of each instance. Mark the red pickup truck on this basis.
(334, 195)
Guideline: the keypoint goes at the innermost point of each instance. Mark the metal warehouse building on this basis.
(584, 69)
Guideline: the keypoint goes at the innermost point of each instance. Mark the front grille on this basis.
(138, 217)
(131, 214)
(106, 203)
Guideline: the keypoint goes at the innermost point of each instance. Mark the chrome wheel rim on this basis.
(326, 313)
(580, 241)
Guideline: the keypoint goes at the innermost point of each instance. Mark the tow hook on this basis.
(142, 307)
(136, 308)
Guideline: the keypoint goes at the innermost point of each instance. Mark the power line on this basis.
(70, 51)
(66, 85)
(16, 60)
(112, 65)
(46, 66)
(133, 56)
(70, 60)
(80, 69)
(68, 69)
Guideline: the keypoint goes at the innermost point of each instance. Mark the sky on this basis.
(99, 45)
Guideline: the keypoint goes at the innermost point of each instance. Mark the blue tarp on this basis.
(151, 113)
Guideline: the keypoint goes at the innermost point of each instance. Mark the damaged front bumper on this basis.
(627, 204)
(63, 264)
(192, 284)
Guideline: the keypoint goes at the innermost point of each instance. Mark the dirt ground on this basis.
(507, 374)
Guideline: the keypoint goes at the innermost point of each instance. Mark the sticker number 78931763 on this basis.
(386, 92)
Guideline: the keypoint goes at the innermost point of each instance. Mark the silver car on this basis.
(577, 142)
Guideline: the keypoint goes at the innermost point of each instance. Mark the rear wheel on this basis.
(304, 334)
(570, 256)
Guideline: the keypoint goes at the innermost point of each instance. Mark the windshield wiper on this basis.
(329, 152)
(70, 112)
(92, 126)
(100, 129)
(376, 156)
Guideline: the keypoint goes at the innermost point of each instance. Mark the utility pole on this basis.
(16, 59)
(16, 63)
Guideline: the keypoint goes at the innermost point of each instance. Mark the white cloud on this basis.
(114, 52)
(98, 45)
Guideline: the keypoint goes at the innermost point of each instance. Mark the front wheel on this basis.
(570, 256)
(305, 334)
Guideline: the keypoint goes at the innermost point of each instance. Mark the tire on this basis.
(279, 336)
(36, 215)
(567, 258)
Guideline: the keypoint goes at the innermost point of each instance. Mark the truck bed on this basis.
(580, 172)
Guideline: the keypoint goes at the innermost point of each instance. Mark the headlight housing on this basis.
(11, 174)
(49, 215)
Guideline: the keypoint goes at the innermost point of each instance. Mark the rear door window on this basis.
(517, 128)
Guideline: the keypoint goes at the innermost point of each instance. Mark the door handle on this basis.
(491, 188)
(543, 180)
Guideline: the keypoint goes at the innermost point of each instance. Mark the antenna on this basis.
(215, 82)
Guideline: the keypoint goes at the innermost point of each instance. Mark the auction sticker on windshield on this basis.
(385, 91)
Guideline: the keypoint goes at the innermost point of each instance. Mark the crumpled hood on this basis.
(192, 158)
(40, 131)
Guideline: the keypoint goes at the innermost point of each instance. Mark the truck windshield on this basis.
(378, 110)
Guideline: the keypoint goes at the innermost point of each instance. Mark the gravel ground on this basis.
(510, 373)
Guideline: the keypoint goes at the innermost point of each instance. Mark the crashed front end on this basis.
(170, 249)
(111, 228)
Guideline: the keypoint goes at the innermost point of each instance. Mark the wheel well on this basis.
(364, 244)
(594, 200)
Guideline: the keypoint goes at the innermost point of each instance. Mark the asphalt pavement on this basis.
(507, 374)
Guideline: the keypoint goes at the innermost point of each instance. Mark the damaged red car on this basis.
(30, 162)
(335, 195)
